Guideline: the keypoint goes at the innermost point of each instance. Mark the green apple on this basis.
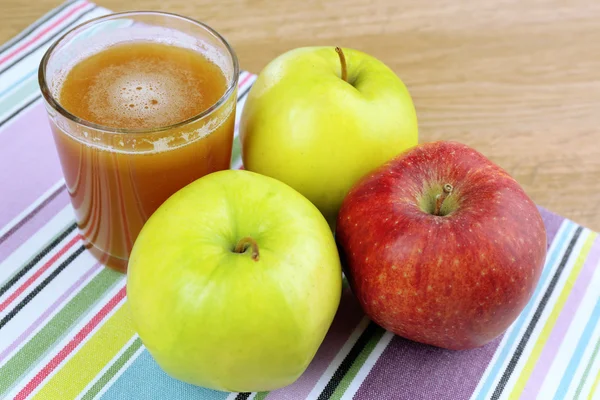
(233, 283)
(319, 118)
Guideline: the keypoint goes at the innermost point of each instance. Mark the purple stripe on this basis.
(552, 222)
(563, 322)
(347, 318)
(48, 311)
(27, 151)
(410, 370)
(31, 214)
(33, 225)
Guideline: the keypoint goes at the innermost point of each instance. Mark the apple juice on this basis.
(143, 98)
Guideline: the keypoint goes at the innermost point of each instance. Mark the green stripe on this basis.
(56, 328)
(358, 363)
(113, 369)
(236, 151)
(261, 395)
(28, 88)
(587, 370)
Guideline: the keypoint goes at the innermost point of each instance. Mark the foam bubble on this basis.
(66, 60)
(138, 94)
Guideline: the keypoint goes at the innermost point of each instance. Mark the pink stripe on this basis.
(563, 322)
(38, 273)
(29, 164)
(347, 318)
(42, 33)
(36, 223)
(244, 80)
(48, 311)
(68, 349)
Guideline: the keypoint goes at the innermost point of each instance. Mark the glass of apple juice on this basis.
(140, 104)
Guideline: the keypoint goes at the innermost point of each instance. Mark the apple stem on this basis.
(243, 245)
(343, 62)
(439, 199)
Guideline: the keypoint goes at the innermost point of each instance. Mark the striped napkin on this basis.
(65, 332)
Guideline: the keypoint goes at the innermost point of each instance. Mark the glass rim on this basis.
(46, 93)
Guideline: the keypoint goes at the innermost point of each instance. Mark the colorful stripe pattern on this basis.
(65, 331)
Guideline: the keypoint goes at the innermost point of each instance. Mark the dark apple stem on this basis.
(243, 245)
(439, 199)
(343, 62)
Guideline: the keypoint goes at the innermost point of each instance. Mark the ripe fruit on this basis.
(441, 246)
(233, 283)
(319, 120)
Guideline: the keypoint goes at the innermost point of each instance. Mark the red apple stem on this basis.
(243, 245)
(439, 199)
(343, 62)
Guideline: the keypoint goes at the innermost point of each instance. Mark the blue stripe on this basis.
(565, 232)
(145, 373)
(11, 87)
(583, 343)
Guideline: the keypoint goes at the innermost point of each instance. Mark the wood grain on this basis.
(517, 79)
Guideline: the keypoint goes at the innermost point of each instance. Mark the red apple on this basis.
(441, 246)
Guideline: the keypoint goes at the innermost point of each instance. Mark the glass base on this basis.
(116, 263)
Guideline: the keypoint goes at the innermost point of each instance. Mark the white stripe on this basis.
(25, 379)
(31, 79)
(333, 366)
(581, 369)
(52, 314)
(22, 36)
(237, 164)
(37, 30)
(241, 103)
(118, 374)
(571, 339)
(565, 225)
(11, 224)
(16, 106)
(596, 395)
(31, 61)
(109, 365)
(363, 372)
(594, 371)
(36, 242)
(491, 364)
(238, 114)
(34, 270)
(545, 314)
(29, 312)
(544, 288)
(76, 349)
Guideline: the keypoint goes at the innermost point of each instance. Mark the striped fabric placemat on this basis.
(65, 333)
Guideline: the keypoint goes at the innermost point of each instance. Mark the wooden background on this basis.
(517, 79)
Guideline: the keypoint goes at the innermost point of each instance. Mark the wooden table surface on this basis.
(517, 79)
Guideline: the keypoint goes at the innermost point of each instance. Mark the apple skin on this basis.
(305, 126)
(220, 319)
(455, 281)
